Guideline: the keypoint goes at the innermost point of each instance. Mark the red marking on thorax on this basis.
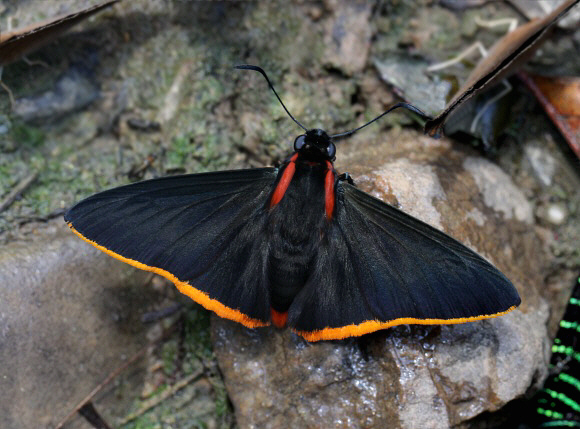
(278, 319)
(284, 181)
(329, 190)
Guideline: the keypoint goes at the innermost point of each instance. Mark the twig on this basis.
(27, 219)
(106, 381)
(153, 402)
(35, 62)
(19, 189)
(154, 316)
(112, 376)
(8, 90)
(92, 416)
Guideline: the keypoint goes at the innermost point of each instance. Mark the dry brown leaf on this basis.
(560, 98)
(503, 58)
(17, 43)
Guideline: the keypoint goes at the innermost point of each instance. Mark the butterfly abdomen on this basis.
(294, 221)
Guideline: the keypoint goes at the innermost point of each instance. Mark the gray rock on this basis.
(347, 35)
(409, 376)
(72, 92)
(543, 164)
(69, 315)
(409, 80)
(498, 191)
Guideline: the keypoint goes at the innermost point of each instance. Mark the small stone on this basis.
(73, 91)
(315, 13)
(542, 162)
(556, 213)
(499, 192)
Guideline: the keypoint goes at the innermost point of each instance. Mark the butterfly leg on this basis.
(346, 177)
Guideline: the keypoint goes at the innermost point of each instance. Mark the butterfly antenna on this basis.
(393, 107)
(260, 70)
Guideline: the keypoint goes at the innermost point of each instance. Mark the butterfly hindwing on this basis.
(205, 232)
(378, 267)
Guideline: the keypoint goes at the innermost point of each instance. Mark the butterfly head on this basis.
(316, 144)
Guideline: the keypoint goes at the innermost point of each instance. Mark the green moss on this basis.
(169, 355)
(178, 410)
(181, 147)
(26, 135)
(146, 421)
(197, 336)
(222, 403)
(210, 91)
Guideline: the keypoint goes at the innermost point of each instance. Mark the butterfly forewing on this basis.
(205, 232)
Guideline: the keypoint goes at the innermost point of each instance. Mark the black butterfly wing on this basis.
(204, 232)
(379, 267)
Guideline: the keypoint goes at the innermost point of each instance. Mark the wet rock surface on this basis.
(69, 316)
(406, 377)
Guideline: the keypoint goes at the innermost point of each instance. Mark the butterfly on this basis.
(298, 245)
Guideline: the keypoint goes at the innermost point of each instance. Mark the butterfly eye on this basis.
(299, 142)
(331, 150)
